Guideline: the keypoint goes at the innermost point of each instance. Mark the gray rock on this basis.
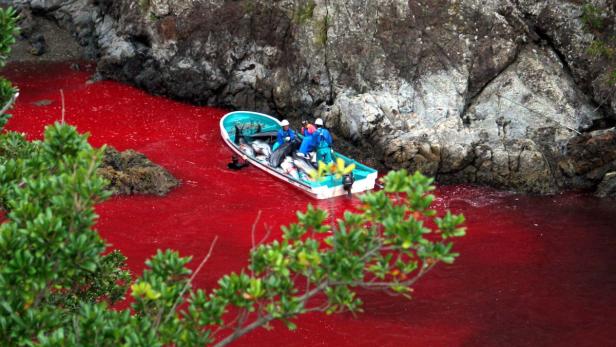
(27, 24)
(38, 44)
(607, 187)
(131, 172)
(562, 25)
(490, 92)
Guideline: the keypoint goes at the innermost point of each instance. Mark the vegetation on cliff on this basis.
(602, 25)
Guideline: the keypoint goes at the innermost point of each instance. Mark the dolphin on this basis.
(281, 152)
(247, 149)
(303, 164)
(267, 136)
(288, 167)
(238, 139)
(261, 147)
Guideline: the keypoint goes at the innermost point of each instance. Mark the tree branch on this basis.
(381, 285)
(187, 285)
(252, 231)
(63, 108)
(268, 318)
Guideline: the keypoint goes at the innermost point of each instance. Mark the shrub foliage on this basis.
(57, 284)
(58, 280)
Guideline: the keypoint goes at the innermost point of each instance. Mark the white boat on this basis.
(253, 124)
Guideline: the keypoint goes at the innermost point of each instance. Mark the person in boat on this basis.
(307, 128)
(284, 135)
(307, 145)
(322, 141)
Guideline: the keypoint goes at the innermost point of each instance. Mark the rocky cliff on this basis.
(501, 92)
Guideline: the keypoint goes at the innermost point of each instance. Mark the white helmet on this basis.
(284, 122)
(319, 122)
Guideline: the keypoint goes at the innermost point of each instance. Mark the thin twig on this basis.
(252, 237)
(316, 309)
(265, 319)
(268, 231)
(226, 325)
(308, 280)
(63, 108)
(177, 301)
(242, 318)
(254, 227)
(76, 327)
(260, 321)
(381, 285)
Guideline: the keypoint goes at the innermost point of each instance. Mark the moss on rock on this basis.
(130, 172)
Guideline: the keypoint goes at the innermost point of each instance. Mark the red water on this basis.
(534, 271)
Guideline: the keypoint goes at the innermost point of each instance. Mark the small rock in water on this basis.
(130, 172)
(43, 102)
(97, 77)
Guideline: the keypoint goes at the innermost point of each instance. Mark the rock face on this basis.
(43, 40)
(130, 172)
(590, 157)
(491, 92)
(607, 187)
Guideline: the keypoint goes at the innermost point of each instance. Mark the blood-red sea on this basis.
(533, 271)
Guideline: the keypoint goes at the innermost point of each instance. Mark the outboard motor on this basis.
(347, 183)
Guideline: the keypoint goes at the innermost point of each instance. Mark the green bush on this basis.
(603, 47)
(58, 280)
(144, 5)
(8, 31)
(320, 31)
(599, 48)
(591, 16)
(612, 77)
(51, 258)
(304, 12)
(57, 284)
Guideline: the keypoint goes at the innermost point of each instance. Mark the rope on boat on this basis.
(536, 112)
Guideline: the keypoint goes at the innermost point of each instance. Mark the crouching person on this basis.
(284, 135)
(307, 144)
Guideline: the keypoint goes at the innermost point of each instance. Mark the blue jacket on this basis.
(282, 134)
(322, 138)
(307, 145)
